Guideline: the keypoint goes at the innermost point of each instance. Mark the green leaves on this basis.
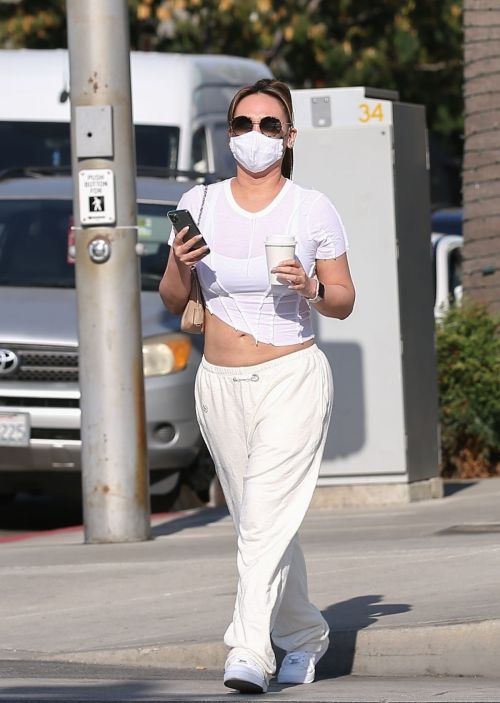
(33, 24)
(468, 355)
(414, 47)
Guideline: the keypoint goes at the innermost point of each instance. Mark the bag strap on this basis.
(193, 267)
(205, 189)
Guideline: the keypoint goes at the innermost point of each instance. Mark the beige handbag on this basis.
(193, 317)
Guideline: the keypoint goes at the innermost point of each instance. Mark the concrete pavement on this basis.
(93, 684)
(412, 590)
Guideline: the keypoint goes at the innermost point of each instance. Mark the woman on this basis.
(264, 389)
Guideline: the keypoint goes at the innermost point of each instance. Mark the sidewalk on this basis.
(407, 590)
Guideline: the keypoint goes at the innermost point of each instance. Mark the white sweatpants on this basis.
(265, 427)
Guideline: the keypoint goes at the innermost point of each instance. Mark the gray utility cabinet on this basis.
(368, 153)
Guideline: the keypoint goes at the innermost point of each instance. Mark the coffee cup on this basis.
(279, 247)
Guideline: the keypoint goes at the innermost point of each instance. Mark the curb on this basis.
(453, 649)
(156, 520)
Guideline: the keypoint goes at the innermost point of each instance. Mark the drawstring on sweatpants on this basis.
(253, 377)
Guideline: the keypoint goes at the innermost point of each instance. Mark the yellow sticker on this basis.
(369, 113)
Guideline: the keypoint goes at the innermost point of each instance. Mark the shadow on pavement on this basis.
(93, 683)
(452, 487)
(91, 692)
(197, 519)
(31, 512)
(345, 620)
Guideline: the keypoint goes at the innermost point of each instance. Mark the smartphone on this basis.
(183, 218)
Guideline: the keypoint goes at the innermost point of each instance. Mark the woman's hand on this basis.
(184, 251)
(293, 272)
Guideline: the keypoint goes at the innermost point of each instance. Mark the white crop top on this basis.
(234, 275)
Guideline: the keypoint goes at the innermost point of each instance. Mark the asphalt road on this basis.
(52, 681)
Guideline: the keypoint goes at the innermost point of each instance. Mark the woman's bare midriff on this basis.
(225, 346)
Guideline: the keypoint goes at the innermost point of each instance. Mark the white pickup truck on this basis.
(447, 247)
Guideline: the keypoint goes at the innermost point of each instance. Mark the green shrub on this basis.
(468, 357)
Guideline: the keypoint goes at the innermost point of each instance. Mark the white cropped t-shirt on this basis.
(234, 276)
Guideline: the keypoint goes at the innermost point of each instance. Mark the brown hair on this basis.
(278, 90)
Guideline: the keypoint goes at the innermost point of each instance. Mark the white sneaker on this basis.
(245, 675)
(298, 667)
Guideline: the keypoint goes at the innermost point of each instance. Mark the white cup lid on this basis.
(280, 240)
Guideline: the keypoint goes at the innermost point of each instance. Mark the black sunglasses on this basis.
(269, 126)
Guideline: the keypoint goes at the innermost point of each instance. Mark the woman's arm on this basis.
(334, 274)
(339, 288)
(176, 282)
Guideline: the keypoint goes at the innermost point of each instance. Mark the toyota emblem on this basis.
(9, 361)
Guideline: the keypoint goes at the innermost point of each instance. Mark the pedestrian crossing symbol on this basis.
(97, 196)
(96, 203)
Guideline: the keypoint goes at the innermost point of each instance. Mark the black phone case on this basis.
(183, 218)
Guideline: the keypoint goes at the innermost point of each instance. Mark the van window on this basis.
(157, 146)
(199, 151)
(24, 144)
(35, 237)
(34, 144)
(224, 160)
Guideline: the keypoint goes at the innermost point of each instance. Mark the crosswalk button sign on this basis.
(97, 196)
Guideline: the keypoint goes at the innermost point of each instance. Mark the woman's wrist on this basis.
(313, 289)
(319, 295)
(183, 268)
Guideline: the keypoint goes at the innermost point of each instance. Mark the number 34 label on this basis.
(370, 112)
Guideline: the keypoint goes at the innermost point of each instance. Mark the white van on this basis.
(179, 106)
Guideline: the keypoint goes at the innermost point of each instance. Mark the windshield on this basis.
(24, 144)
(37, 243)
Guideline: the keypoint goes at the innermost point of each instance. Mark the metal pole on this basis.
(114, 454)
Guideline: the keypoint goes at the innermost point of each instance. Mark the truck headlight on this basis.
(165, 354)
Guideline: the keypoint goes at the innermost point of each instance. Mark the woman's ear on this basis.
(291, 138)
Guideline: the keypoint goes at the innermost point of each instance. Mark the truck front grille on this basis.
(43, 364)
(55, 434)
(32, 402)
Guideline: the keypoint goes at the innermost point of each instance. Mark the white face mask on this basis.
(256, 152)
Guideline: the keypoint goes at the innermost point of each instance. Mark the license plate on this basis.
(14, 430)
